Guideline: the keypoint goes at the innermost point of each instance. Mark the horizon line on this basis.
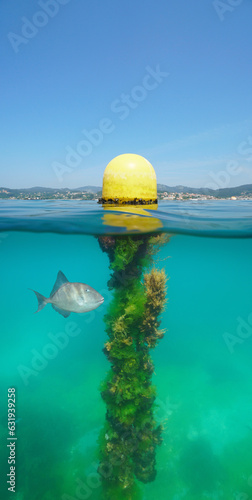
(100, 187)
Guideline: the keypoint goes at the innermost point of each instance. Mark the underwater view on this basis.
(143, 389)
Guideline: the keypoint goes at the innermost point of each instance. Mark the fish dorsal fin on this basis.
(61, 280)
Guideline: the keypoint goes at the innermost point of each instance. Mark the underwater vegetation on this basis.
(204, 399)
(130, 437)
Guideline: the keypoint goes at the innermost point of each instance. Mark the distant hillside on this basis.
(236, 191)
(183, 189)
(220, 193)
(43, 192)
(33, 190)
(89, 189)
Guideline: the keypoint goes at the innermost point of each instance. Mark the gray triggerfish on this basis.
(69, 297)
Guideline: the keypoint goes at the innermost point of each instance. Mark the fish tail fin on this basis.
(42, 301)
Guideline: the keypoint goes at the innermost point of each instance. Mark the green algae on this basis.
(131, 434)
(50, 465)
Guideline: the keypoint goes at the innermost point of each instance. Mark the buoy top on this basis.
(129, 179)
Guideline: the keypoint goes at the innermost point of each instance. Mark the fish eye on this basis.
(87, 290)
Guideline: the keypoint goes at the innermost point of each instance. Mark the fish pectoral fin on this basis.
(61, 311)
(61, 280)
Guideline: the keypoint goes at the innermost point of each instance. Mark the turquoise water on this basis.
(203, 369)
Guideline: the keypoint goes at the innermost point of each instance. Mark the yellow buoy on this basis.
(129, 179)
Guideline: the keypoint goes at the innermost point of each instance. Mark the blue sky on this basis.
(167, 80)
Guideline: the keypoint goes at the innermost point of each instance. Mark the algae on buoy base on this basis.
(131, 434)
